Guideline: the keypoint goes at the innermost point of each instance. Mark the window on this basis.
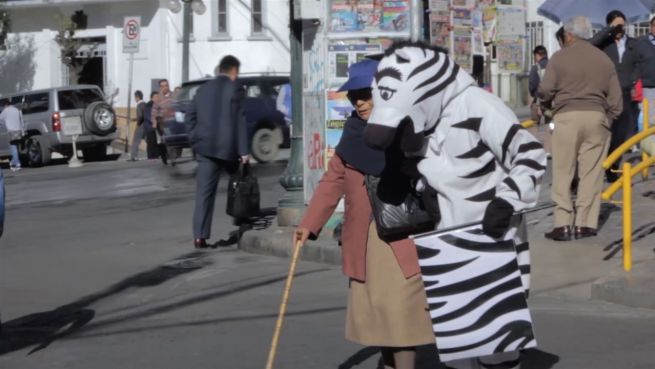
(222, 16)
(257, 17)
(220, 20)
(77, 99)
(36, 103)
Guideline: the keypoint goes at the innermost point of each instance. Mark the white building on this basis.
(33, 59)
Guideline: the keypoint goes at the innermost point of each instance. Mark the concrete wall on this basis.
(38, 65)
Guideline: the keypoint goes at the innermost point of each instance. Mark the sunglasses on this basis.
(360, 94)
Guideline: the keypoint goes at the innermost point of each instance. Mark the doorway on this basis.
(91, 57)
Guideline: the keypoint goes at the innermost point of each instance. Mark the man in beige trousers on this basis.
(584, 91)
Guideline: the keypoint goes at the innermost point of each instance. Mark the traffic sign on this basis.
(131, 34)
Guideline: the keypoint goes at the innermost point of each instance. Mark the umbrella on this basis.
(561, 10)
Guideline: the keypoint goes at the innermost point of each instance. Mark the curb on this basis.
(276, 241)
(634, 288)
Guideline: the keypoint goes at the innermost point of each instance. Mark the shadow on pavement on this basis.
(537, 359)
(262, 221)
(43, 328)
(428, 358)
(639, 233)
(606, 209)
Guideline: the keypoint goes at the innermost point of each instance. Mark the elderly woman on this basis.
(386, 304)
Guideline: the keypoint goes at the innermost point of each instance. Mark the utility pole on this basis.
(291, 206)
(186, 35)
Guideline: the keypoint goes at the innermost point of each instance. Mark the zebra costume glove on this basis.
(497, 217)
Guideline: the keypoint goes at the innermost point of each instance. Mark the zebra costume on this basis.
(472, 146)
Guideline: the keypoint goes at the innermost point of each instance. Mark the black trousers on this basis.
(151, 145)
(207, 174)
(623, 128)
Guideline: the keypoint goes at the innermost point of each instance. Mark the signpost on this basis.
(72, 126)
(131, 37)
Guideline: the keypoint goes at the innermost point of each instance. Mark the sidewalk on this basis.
(590, 268)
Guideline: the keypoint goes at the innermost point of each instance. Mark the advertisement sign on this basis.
(342, 54)
(338, 109)
(509, 51)
(372, 16)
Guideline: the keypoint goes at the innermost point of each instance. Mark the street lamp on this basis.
(195, 6)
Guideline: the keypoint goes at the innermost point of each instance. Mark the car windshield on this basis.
(78, 99)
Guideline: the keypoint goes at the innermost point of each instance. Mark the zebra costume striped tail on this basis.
(476, 297)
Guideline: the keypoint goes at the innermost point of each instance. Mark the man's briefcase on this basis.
(243, 194)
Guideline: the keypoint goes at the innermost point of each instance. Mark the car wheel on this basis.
(95, 153)
(265, 145)
(38, 151)
(99, 118)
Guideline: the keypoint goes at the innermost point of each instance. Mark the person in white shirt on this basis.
(12, 118)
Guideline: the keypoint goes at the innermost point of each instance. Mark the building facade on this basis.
(256, 31)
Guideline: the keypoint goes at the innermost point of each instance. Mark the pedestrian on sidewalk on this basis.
(647, 48)
(539, 114)
(582, 86)
(149, 132)
(139, 130)
(386, 302)
(12, 118)
(624, 52)
(219, 139)
(161, 110)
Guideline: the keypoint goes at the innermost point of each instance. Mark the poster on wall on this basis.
(511, 22)
(489, 23)
(440, 23)
(509, 53)
(396, 16)
(461, 18)
(478, 42)
(338, 109)
(463, 48)
(342, 54)
(369, 16)
(440, 34)
(512, 3)
(463, 3)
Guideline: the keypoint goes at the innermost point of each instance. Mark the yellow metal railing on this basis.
(528, 123)
(625, 182)
(646, 111)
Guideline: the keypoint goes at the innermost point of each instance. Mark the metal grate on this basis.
(535, 37)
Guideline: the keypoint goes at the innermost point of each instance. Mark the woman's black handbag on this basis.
(243, 194)
(398, 210)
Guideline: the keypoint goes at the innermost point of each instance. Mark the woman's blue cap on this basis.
(360, 75)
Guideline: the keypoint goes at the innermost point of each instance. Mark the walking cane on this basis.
(283, 306)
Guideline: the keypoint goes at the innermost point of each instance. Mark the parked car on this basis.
(267, 128)
(45, 112)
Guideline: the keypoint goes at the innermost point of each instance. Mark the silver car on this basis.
(47, 112)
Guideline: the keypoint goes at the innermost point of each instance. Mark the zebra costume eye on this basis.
(386, 93)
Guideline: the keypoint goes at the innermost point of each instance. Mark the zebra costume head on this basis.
(414, 81)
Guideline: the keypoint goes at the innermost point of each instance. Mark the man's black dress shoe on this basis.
(583, 232)
(559, 234)
(200, 243)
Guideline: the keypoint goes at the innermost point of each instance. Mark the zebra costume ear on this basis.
(402, 56)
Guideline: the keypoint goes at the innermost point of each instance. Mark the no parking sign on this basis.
(131, 34)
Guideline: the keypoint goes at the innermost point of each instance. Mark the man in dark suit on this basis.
(219, 139)
(626, 56)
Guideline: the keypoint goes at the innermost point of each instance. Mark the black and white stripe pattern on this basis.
(475, 293)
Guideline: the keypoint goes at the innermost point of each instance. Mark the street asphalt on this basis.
(97, 270)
